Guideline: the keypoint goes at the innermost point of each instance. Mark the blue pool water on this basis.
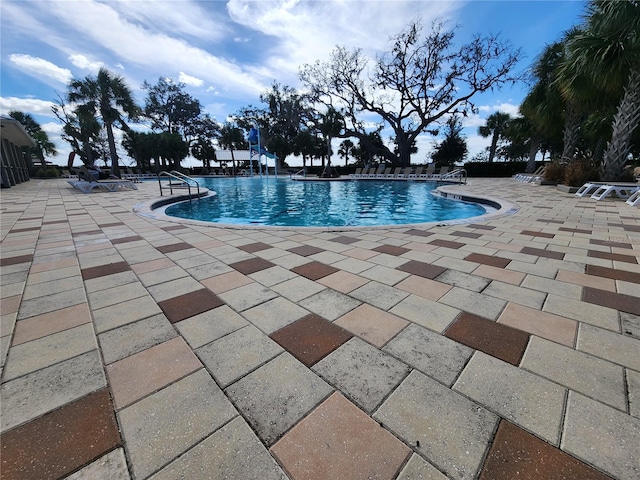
(282, 202)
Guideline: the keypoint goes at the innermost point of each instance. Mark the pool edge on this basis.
(155, 209)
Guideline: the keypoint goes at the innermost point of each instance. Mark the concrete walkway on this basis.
(140, 348)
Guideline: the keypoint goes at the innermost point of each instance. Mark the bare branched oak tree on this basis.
(415, 86)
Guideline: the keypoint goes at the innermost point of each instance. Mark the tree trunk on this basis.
(533, 150)
(624, 123)
(571, 134)
(494, 145)
(115, 168)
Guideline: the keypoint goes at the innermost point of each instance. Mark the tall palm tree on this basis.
(108, 96)
(543, 106)
(608, 50)
(496, 124)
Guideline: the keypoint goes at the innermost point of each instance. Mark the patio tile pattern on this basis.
(138, 347)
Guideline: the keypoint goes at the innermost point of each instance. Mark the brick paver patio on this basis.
(135, 347)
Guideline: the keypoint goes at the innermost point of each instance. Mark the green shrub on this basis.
(554, 172)
(579, 172)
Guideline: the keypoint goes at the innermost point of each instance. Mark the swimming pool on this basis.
(282, 202)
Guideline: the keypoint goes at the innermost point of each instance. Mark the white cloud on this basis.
(308, 31)
(83, 62)
(33, 106)
(503, 107)
(189, 80)
(39, 67)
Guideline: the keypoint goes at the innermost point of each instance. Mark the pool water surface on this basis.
(282, 202)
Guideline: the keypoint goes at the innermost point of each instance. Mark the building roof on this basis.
(13, 131)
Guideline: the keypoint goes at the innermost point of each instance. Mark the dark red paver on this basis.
(25, 229)
(418, 233)
(541, 252)
(15, 260)
(488, 260)
(480, 226)
(254, 247)
(391, 250)
(537, 234)
(446, 243)
(495, 339)
(104, 270)
(189, 304)
(174, 247)
(613, 273)
(616, 257)
(314, 270)
(132, 238)
(516, 454)
(305, 250)
(345, 240)
(617, 301)
(609, 243)
(62, 441)
(311, 338)
(86, 232)
(252, 265)
(421, 269)
(467, 234)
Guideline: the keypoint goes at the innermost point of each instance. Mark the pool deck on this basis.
(135, 347)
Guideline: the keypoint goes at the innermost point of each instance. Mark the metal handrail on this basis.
(179, 181)
(459, 173)
(303, 170)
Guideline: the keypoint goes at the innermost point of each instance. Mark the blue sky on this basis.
(228, 52)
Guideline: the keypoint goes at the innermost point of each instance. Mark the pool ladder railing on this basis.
(460, 174)
(179, 181)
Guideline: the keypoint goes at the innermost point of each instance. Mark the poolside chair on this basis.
(529, 177)
(384, 174)
(620, 191)
(634, 200)
(357, 173)
(440, 175)
(417, 173)
(428, 173)
(396, 172)
(109, 185)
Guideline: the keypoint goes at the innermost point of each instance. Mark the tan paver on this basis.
(545, 325)
(576, 370)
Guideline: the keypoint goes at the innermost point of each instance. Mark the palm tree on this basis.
(608, 50)
(33, 128)
(108, 96)
(345, 148)
(496, 123)
(231, 138)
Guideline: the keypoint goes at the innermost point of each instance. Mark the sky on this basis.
(228, 52)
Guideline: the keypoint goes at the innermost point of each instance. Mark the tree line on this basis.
(583, 102)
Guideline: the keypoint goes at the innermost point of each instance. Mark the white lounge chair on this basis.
(396, 173)
(384, 174)
(634, 200)
(588, 189)
(357, 173)
(440, 175)
(529, 177)
(621, 191)
(428, 173)
(417, 173)
(86, 186)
